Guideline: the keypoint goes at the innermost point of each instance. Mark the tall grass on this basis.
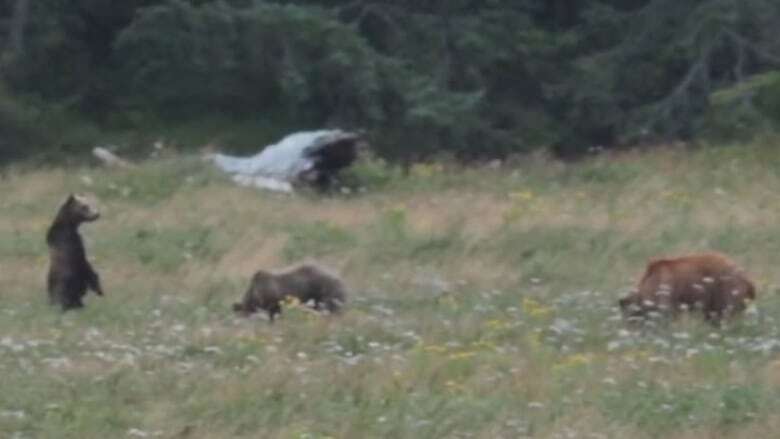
(482, 304)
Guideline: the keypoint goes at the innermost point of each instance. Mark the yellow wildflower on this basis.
(426, 170)
(521, 195)
(497, 324)
(535, 309)
(534, 340)
(484, 345)
(450, 301)
(435, 348)
(454, 386)
(291, 302)
(461, 355)
(572, 362)
(635, 355)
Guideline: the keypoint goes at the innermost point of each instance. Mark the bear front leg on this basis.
(93, 280)
(274, 309)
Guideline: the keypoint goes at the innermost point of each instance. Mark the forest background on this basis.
(472, 79)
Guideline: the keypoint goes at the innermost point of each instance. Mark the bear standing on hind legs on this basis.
(70, 274)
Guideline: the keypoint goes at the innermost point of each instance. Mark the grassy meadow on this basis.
(482, 303)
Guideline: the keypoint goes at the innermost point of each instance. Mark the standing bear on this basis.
(70, 274)
(307, 283)
(706, 282)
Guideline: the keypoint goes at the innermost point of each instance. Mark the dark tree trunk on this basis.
(18, 23)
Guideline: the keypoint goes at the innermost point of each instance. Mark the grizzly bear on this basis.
(307, 283)
(706, 282)
(70, 274)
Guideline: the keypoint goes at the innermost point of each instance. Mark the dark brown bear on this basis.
(707, 282)
(307, 283)
(70, 274)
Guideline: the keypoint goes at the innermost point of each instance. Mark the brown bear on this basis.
(709, 282)
(307, 283)
(70, 274)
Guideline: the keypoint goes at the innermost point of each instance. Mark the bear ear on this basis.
(69, 201)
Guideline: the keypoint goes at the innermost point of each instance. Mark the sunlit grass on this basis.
(482, 303)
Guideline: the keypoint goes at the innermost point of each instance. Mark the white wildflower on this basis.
(213, 350)
(16, 414)
(134, 432)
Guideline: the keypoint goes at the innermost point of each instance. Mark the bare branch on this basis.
(744, 42)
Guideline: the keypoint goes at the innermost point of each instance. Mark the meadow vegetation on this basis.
(482, 305)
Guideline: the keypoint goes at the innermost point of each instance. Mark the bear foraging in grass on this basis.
(709, 282)
(307, 283)
(70, 274)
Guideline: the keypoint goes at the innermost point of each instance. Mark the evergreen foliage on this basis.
(471, 78)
